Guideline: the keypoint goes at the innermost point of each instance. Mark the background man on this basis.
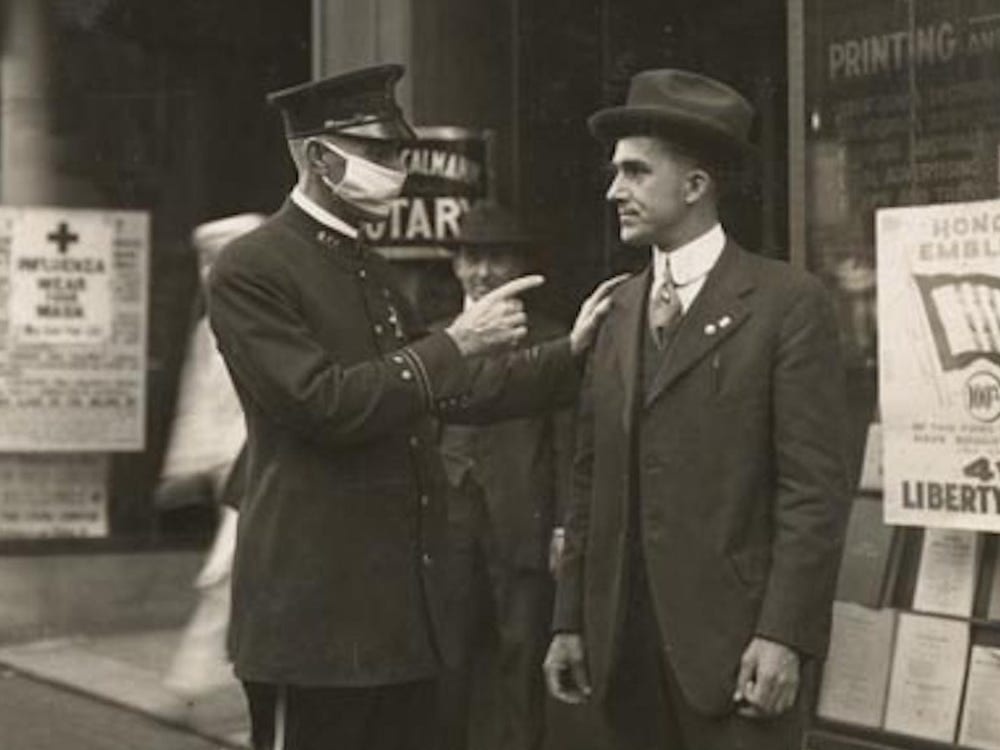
(703, 542)
(336, 591)
(509, 482)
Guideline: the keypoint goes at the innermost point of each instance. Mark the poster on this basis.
(939, 363)
(447, 171)
(928, 670)
(53, 496)
(73, 310)
(902, 108)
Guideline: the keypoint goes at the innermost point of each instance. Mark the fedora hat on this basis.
(679, 104)
(489, 225)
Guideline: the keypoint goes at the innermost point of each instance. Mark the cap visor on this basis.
(396, 129)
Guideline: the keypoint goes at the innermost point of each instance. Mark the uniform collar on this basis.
(691, 261)
(320, 214)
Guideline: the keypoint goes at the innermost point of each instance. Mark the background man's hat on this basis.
(359, 104)
(488, 224)
(679, 104)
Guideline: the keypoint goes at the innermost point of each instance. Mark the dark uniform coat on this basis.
(736, 452)
(336, 576)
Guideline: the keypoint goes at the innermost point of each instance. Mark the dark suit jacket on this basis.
(737, 455)
(523, 469)
(337, 577)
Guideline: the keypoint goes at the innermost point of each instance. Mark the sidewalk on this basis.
(127, 670)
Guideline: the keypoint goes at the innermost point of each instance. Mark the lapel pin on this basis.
(710, 329)
(724, 321)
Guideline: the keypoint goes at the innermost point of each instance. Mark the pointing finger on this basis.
(512, 288)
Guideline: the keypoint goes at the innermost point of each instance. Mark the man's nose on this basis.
(614, 191)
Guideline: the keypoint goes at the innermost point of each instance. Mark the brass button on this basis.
(425, 500)
(378, 329)
(428, 560)
(414, 441)
(406, 375)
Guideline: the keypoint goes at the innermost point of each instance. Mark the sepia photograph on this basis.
(499, 374)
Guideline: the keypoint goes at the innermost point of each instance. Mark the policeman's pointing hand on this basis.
(494, 321)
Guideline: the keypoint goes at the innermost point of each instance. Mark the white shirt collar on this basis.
(693, 261)
(320, 214)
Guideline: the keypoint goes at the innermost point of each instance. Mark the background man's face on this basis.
(480, 271)
(648, 188)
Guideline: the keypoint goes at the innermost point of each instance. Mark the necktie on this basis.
(664, 308)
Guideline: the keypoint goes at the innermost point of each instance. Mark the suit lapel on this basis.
(718, 310)
(625, 328)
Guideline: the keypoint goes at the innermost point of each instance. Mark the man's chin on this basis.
(633, 238)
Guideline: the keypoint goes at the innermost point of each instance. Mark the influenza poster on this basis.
(939, 363)
(73, 306)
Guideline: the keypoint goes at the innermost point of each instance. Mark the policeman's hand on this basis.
(768, 681)
(565, 670)
(494, 321)
(592, 311)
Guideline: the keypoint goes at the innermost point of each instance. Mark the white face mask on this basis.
(367, 186)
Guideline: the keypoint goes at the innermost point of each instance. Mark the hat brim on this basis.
(515, 242)
(394, 130)
(619, 122)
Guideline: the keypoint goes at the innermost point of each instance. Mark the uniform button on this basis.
(398, 359)
(378, 329)
(400, 335)
(406, 375)
(428, 560)
(362, 274)
(425, 500)
(414, 441)
(386, 293)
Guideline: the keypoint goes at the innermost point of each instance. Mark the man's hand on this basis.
(565, 670)
(556, 544)
(592, 311)
(494, 321)
(768, 682)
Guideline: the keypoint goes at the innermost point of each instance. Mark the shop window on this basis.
(156, 107)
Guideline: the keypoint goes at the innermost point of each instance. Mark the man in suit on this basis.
(336, 584)
(709, 487)
(509, 482)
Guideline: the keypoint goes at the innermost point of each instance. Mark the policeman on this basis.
(335, 582)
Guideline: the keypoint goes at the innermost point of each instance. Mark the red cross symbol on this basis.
(63, 237)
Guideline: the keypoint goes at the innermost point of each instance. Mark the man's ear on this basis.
(698, 184)
(325, 162)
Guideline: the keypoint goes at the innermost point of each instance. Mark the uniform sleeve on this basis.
(277, 362)
(810, 503)
(524, 383)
